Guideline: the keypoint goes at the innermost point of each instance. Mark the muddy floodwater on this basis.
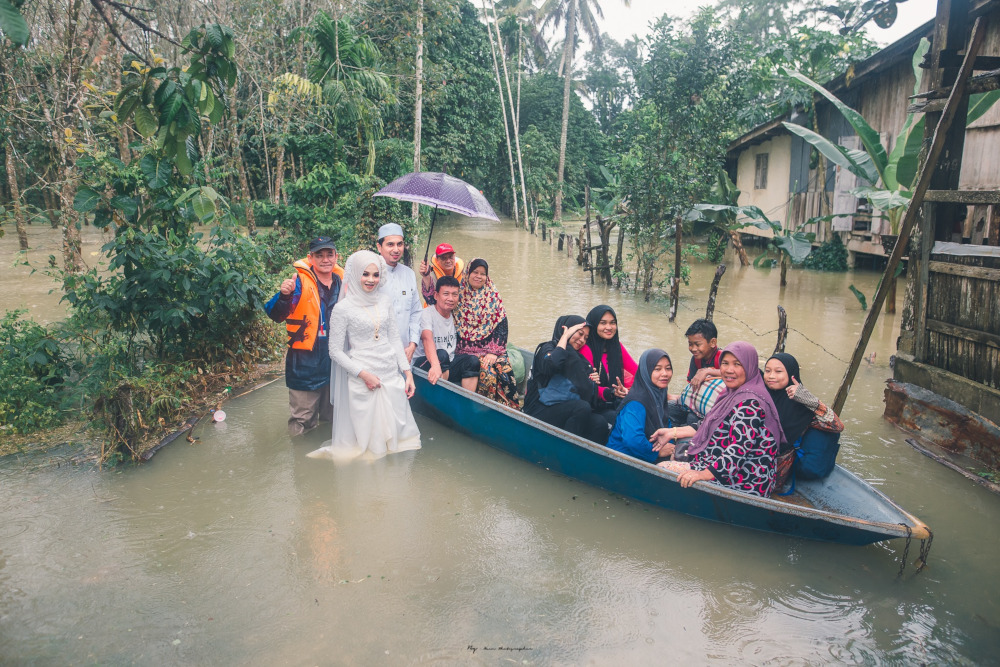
(239, 550)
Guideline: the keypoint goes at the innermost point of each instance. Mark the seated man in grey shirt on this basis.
(436, 349)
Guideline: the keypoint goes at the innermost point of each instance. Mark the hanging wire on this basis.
(760, 334)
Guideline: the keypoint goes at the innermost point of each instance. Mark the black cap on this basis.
(321, 242)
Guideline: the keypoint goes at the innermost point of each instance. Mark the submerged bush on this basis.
(32, 369)
(831, 256)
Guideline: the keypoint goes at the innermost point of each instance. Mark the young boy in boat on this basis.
(438, 339)
(704, 377)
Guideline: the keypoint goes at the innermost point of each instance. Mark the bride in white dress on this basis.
(371, 413)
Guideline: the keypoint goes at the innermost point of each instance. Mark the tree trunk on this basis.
(50, 206)
(741, 252)
(418, 104)
(587, 255)
(618, 258)
(675, 285)
(515, 127)
(567, 90)
(890, 296)
(494, 47)
(72, 256)
(784, 270)
(782, 330)
(15, 198)
(279, 174)
(240, 167)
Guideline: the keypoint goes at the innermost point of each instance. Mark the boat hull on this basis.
(842, 508)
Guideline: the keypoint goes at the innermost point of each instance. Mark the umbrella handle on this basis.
(430, 231)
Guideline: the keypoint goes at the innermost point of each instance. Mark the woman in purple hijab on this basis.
(737, 443)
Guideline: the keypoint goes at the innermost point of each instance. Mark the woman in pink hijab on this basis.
(737, 443)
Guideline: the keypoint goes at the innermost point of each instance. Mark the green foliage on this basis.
(170, 103)
(819, 53)
(347, 66)
(33, 367)
(796, 244)
(859, 295)
(717, 224)
(586, 146)
(12, 24)
(186, 298)
(539, 157)
(370, 212)
(831, 256)
(690, 90)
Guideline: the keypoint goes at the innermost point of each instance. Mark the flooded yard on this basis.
(237, 549)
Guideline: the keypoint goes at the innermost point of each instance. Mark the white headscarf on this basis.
(356, 264)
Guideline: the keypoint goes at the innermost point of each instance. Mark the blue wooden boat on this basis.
(841, 508)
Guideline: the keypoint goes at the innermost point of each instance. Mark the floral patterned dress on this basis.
(742, 451)
(481, 321)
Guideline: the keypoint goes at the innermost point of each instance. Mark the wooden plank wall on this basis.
(807, 205)
(963, 317)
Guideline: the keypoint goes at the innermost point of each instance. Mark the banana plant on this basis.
(795, 244)
(887, 176)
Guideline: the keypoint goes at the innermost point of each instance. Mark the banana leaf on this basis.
(883, 199)
(798, 245)
(980, 104)
(869, 137)
(857, 162)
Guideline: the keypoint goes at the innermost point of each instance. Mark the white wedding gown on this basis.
(367, 423)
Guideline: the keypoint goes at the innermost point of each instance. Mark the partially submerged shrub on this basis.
(32, 369)
(831, 256)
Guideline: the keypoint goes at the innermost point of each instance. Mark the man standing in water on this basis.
(400, 282)
(303, 303)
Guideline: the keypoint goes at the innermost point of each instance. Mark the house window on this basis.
(760, 172)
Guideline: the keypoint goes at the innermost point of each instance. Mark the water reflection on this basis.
(239, 550)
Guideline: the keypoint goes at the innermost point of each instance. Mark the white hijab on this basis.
(353, 292)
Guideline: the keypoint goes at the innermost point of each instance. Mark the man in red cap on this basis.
(443, 263)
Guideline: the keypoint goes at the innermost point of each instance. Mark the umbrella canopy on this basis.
(440, 191)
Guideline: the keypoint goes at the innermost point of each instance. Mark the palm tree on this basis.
(347, 67)
(575, 14)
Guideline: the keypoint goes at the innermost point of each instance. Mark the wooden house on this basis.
(771, 167)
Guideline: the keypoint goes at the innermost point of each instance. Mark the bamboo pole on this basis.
(910, 216)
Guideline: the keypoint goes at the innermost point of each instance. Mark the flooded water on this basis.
(240, 550)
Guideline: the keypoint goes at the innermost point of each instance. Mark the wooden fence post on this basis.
(710, 310)
(782, 330)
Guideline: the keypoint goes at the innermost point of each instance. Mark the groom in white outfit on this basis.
(401, 283)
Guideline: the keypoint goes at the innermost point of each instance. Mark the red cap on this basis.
(444, 249)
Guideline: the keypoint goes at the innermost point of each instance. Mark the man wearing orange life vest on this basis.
(443, 263)
(303, 303)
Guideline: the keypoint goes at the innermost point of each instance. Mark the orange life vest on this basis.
(438, 271)
(303, 323)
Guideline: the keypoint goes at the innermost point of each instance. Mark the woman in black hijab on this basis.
(614, 368)
(800, 412)
(560, 391)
